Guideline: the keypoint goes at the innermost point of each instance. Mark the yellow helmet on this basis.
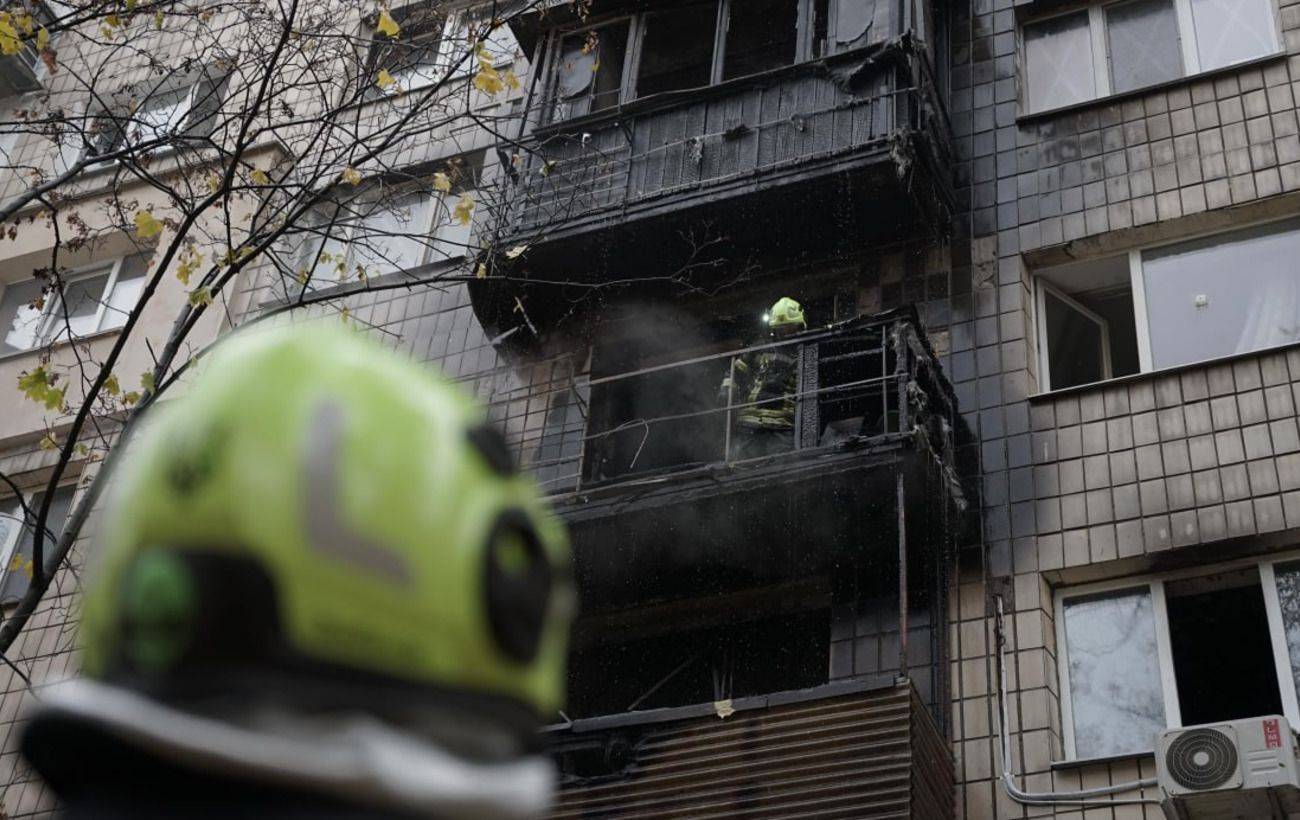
(321, 524)
(786, 313)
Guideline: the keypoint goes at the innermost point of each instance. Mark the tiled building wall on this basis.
(43, 653)
(1104, 481)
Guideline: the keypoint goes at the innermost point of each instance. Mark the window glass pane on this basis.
(126, 292)
(1143, 41)
(590, 71)
(453, 237)
(19, 321)
(1288, 595)
(80, 307)
(1058, 62)
(159, 118)
(1114, 673)
(761, 35)
(17, 569)
(1223, 295)
(1230, 31)
(392, 235)
(577, 66)
(677, 50)
(852, 19)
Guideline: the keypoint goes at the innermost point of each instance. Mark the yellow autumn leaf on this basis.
(146, 226)
(387, 25)
(516, 252)
(352, 176)
(49, 442)
(10, 43)
(259, 177)
(113, 21)
(511, 80)
(481, 271)
(200, 296)
(442, 182)
(488, 80)
(188, 266)
(214, 183)
(158, 20)
(30, 569)
(42, 39)
(385, 80)
(111, 386)
(464, 210)
(16, 563)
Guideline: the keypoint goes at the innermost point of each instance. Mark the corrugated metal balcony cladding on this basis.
(875, 754)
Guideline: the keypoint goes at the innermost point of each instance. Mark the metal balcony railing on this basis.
(868, 382)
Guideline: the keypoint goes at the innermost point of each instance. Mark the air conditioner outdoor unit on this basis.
(1244, 769)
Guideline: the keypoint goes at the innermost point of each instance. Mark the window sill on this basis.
(36, 351)
(1083, 762)
(1164, 371)
(1032, 117)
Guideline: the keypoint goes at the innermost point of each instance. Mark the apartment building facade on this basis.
(1046, 450)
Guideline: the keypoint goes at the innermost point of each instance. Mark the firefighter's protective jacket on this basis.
(765, 387)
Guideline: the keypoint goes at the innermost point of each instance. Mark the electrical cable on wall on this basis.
(1080, 797)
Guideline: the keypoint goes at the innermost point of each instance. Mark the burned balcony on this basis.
(787, 592)
(653, 135)
(650, 418)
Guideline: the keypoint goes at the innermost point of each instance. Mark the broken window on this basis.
(677, 49)
(589, 73)
(761, 35)
(854, 20)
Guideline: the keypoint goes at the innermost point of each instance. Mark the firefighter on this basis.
(765, 387)
(324, 591)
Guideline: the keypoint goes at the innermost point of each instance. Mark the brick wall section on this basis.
(1099, 482)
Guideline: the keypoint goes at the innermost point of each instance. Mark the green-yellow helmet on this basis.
(786, 313)
(317, 508)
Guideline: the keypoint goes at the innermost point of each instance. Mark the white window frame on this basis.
(11, 508)
(450, 46)
(441, 206)
(1137, 285)
(51, 325)
(1186, 34)
(1155, 585)
(1040, 321)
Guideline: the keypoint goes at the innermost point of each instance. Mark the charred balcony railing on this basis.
(868, 383)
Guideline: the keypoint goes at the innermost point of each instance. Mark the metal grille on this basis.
(867, 755)
(1201, 759)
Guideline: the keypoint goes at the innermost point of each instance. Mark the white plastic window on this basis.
(1113, 673)
(95, 298)
(1112, 48)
